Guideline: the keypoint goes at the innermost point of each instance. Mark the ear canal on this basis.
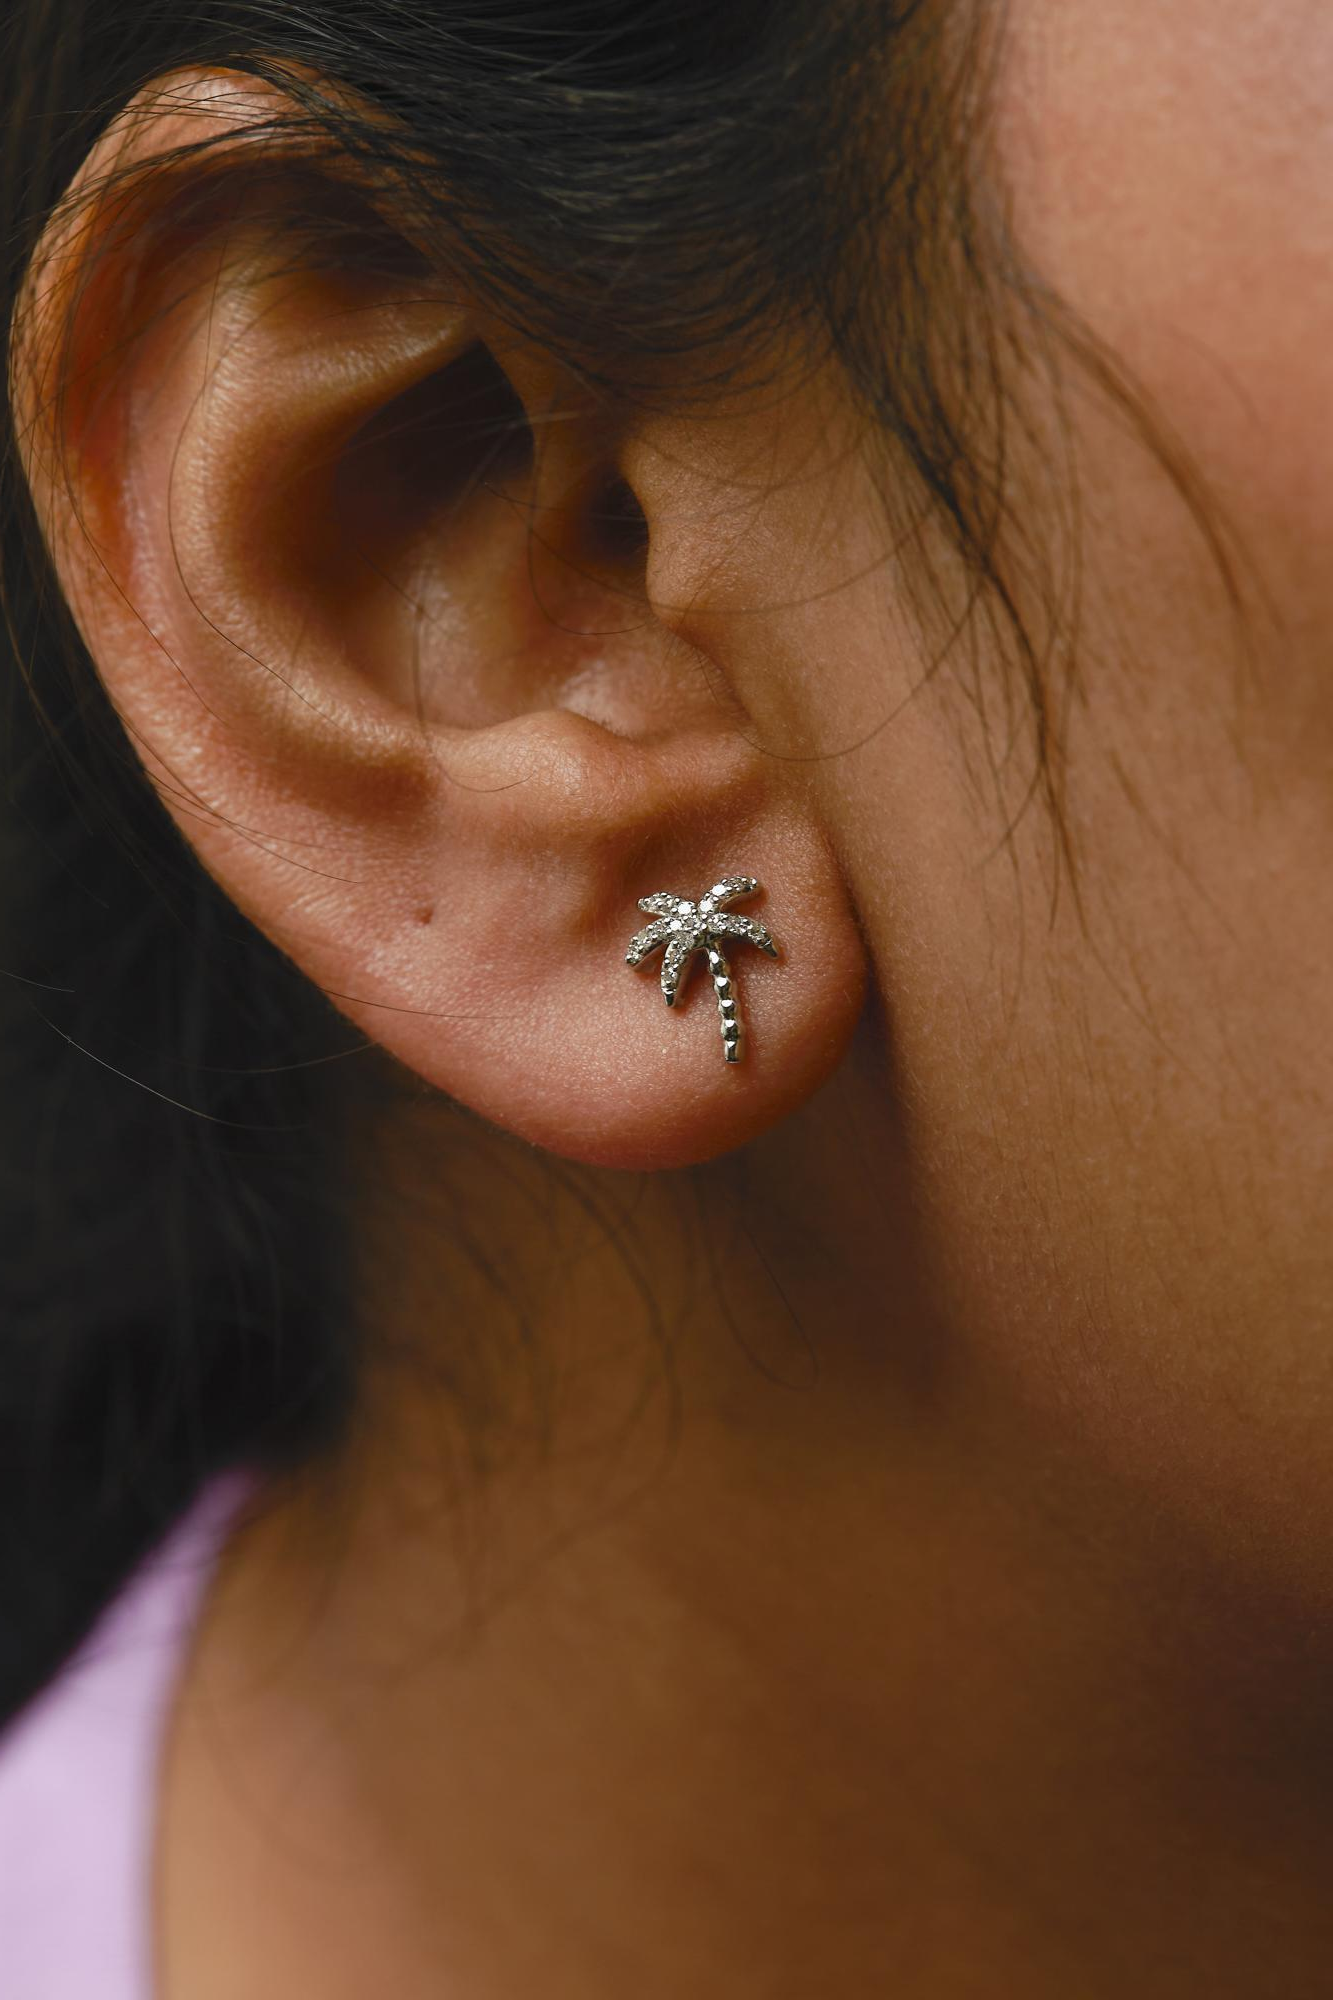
(421, 456)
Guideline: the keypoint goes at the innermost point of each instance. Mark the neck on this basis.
(760, 1640)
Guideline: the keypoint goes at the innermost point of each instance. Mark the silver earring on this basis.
(686, 926)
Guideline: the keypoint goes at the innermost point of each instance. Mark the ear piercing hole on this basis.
(617, 530)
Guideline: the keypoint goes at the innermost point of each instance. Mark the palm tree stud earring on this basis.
(685, 927)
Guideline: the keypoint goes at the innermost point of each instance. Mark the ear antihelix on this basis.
(683, 926)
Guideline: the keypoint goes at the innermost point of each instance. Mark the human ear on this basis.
(367, 582)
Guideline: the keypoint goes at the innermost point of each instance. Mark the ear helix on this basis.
(685, 926)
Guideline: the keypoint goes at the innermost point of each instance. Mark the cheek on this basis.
(1119, 1115)
(1119, 1084)
(1124, 1097)
(1172, 179)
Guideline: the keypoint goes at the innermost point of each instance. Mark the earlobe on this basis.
(350, 591)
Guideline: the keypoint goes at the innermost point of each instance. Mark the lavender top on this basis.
(78, 1779)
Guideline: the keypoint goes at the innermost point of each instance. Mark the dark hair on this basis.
(636, 186)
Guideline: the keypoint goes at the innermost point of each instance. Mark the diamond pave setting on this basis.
(686, 925)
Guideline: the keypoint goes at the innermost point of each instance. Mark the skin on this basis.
(933, 1594)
